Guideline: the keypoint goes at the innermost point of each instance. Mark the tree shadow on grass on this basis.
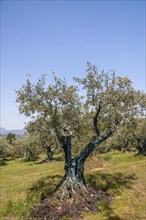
(3, 162)
(110, 183)
(114, 184)
(55, 159)
(104, 181)
(45, 186)
(115, 217)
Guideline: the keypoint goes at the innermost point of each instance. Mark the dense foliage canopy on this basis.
(60, 112)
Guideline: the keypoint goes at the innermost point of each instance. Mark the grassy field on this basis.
(23, 184)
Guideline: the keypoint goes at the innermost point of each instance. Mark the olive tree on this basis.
(10, 137)
(44, 135)
(134, 130)
(139, 134)
(107, 102)
(27, 148)
(6, 149)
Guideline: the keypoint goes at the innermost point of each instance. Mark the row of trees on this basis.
(126, 138)
(130, 136)
(24, 147)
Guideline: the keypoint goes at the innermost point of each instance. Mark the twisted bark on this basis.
(73, 183)
(49, 153)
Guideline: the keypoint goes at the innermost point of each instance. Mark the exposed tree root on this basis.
(71, 188)
(54, 209)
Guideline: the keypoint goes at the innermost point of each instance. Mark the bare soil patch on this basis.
(54, 210)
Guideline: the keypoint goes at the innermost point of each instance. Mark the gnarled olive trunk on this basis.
(141, 146)
(126, 146)
(73, 183)
(49, 153)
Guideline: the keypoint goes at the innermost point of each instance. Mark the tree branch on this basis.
(95, 119)
(55, 122)
(91, 146)
(66, 145)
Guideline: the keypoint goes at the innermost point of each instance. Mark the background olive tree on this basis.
(44, 136)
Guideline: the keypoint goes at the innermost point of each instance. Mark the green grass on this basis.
(23, 184)
(118, 158)
(17, 181)
(126, 177)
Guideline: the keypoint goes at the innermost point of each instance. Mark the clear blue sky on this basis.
(38, 36)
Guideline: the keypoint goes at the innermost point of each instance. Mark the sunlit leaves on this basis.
(116, 96)
(68, 113)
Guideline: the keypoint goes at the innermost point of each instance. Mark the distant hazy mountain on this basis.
(4, 131)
